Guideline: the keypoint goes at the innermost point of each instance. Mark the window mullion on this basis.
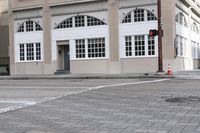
(124, 48)
(34, 51)
(184, 47)
(18, 52)
(196, 50)
(24, 26)
(73, 21)
(179, 41)
(156, 45)
(86, 48)
(133, 45)
(192, 51)
(146, 45)
(132, 17)
(34, 26)
(85, 21)
(145, 15)
(25, 52)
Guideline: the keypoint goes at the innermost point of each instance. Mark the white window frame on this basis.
(132, 13)
(34, 52)
(86, 50)
(145, 45)
(23, 52)
(184, 46)
(97, 42)
(24, 25)
(80, 42)
(129, 40)
(140, 50)
(151, 50)
(85, 19)
(194, 47)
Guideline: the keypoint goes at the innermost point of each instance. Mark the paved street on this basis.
(100, 106)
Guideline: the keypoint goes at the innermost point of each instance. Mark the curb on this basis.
(82, 77)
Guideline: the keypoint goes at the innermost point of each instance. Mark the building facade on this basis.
(101, 36)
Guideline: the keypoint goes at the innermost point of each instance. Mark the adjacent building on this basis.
(4, 37)
(101, 36)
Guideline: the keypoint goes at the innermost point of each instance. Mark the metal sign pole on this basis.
(160, 34)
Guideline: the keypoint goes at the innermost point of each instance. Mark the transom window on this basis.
(21, 29)
(90, 48)
(29, 26)
(91, 21)
(180, 18)
(80, 21)
(139, 15)
(65, 24)
(150, 16)
(140, 46)
(38, 27)
(30, 52)
(128, 18)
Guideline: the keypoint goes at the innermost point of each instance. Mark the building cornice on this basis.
(193, 6)
(27, 8)
(138, 5)
(72, 2)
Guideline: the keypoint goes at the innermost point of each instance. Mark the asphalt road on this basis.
(100, 106)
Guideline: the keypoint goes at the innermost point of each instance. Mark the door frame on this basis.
(63, 48)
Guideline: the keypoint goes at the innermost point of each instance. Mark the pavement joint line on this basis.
(123, 84)
(45, 87)
(47, 99)
(18, 102)
(4, 110)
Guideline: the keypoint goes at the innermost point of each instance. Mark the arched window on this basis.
(29, 26)
(180, 18)
(91, 21)
(139, 15)
(80, 21)
(65, 24)
(127, 18)
(195, 28)
(150, 16)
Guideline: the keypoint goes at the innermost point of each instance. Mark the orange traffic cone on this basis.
(169, 70)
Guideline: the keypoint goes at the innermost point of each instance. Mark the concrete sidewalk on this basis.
(181, 74)
(86, 76)
(194, 74)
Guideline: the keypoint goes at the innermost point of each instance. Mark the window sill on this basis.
(34, 61)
